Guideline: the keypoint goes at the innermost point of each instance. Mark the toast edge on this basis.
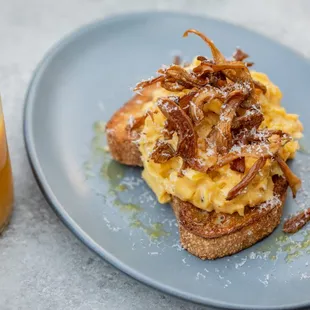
(212, 248)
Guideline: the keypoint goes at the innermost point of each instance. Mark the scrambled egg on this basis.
(209, 191)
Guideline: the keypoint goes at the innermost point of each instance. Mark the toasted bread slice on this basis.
(208, 235)
(211, 235)
(120, 143)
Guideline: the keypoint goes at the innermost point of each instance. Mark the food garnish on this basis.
(234, 192)
(237, 134)
(293, 181)
(162, 152)
(296, 222)
(183, 126)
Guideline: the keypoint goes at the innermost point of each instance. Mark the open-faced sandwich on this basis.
(213, 140)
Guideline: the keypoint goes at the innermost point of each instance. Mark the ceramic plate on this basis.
(78, 86)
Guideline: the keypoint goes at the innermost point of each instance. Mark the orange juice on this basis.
(6, 180)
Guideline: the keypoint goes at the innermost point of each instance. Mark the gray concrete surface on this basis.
(42, 265)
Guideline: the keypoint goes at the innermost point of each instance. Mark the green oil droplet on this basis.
(127, 207)
(305, 244)
(136, 224)
(131, 207)
(289, 247)
(156, 231)
(88, 169)
(99, 127)
(117, 203)
(97, 146)
(282, 238)
(113, 172)
(292, 256)
(307, 233)
(121, 188)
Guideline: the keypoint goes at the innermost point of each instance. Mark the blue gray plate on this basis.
(79, 85)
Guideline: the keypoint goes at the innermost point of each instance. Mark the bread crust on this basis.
(233, 241)
(201, 233)
(122, 146)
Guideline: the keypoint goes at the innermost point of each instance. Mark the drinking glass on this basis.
(6, 179)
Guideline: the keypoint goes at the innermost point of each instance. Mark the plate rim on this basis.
(47, 191)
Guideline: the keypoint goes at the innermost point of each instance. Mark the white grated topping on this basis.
(210, 152)
(152, 253)
(174, 98)
(178, 247)
(243, 261)
(269, 204)
(200, 275)
(193, 105)
(131, 121)
(304, 276)
(235, 149)
(252, 255)
(265, 281)
(224, 118)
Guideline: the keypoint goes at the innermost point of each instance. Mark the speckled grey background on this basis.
(42, 265)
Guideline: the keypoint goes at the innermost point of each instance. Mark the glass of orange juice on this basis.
(6, 179)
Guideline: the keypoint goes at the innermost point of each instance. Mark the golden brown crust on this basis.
(122, 147)
(213, 225)
(233, 242)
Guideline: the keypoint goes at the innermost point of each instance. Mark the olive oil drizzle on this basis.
(113, 173)
(285, 244)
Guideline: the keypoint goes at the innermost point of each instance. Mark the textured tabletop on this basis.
(42, 264)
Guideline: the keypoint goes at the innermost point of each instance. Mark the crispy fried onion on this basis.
(251, 151)
(185, 101)
(168, 130)
(221, 134)
(147, 83)
(182, 124)
(238, 165)
(260, 86)
(246, 180)
(177, 60)
(240, 55)
(136, 123)
(196, 113)
(162, 152)
(177, 74)
(252, 118)
(297, 221)
(204, 68)
(236, 73)
(235, 137)
(204, 96)
(246, 136)
(293, 181)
